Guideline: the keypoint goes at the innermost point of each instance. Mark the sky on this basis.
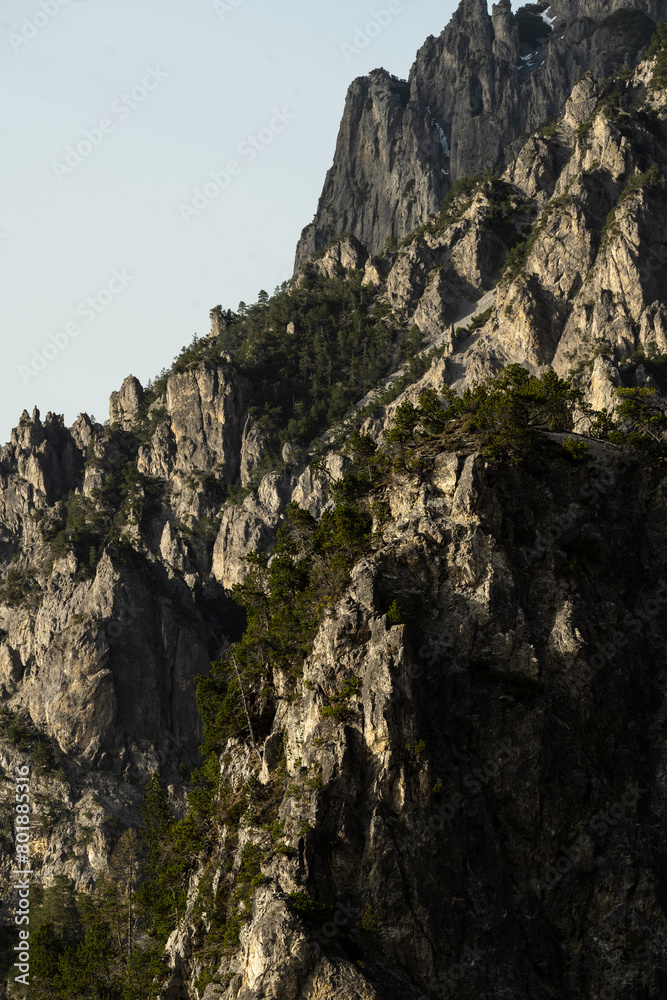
(160, 159)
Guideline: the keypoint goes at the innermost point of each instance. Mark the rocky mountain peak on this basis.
(124, 405)
(338, 655)
(473, 91)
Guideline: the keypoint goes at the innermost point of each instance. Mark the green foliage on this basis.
(658, 50)
(402, 431)
(363, 450)
(88, 524)
(148, 423)
(653, 361)
(645, 412)
(518, 256)
(602, 426)
(459, 198)
(549, 130)
(395, 614)
(412, 344)
(476, 323)
(503, 207)
(310, 568)
(339, 712)
(418, 366)
(20, 589)
(172, 848)
(339, 708)
(22, 732)
(610, 106)
(651, 178)
(315, 782)
(76, 953)
(456, 203)
(248, 880)
(648, 178)
(576, 450)
(416, 753)
(314, 914)
(56, 905)
(480, 320)
(9, 938)
(432, 416)
(219, 704)
(303, 383)
(504, 211)
(511, 406)
(369, 920)
(199, 349)
(506, 411)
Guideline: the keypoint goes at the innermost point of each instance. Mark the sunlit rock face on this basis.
(487, 79)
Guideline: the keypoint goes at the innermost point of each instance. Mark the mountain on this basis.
(472, 93)
(337, 654)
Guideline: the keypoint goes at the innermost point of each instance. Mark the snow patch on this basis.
(443, 139)
(441, 132)
(550, 21)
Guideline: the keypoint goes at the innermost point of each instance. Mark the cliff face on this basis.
(472, 92)
(456, 784)
(490, 787)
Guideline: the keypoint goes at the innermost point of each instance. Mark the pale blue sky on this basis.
(168, 93)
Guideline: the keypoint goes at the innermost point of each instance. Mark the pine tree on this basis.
(121, 882)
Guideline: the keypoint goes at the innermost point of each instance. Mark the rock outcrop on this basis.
(488, 79)
(124, 405)
(456, 786)
(475, 803)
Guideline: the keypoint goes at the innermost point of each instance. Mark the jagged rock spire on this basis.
(472, 92)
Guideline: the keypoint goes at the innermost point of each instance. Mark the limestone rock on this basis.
(344, 255)
(471, 94)
(203, 426)
(124, 405)
(497, 642)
